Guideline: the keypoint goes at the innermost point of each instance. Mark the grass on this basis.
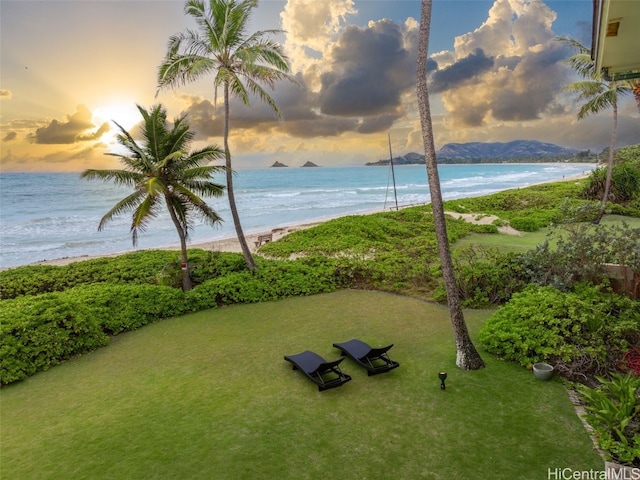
(209, 395)
(529, 240)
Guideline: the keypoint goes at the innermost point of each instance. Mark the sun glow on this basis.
(125, 114)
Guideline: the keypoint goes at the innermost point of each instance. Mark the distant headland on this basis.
(517, 151)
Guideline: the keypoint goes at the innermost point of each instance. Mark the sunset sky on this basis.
(70, 67)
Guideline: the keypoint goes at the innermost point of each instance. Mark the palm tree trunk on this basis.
(187, 284)
(607, 182)
(248, 258)
(467, 357)
(635, 89)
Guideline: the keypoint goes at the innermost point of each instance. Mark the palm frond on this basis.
(128, 203)
(199, 205)
(120, 177)
(597, 103)
(205, 155)
(142, 215)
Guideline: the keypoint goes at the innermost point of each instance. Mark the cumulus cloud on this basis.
(508, 69)
(311, 29)
(370, 68)
(73, 129)
(5, 94)
(10, 135)
(461, 71)
(361, 79)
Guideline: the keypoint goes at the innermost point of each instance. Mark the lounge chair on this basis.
(375, 360)
(324, 374)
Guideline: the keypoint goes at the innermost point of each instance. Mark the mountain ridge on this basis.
(476, 152)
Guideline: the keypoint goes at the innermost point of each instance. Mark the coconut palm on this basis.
(241, 63)
(635, 90)
(467, 357)
(162, 170)
(598, 94)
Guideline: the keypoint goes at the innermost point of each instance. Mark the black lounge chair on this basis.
(375, 360)
(324, 374)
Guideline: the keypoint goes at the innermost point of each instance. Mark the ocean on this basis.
(47, 216)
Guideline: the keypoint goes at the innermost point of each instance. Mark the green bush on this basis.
(613, 410)
(272, 281)
(630, 154)
(577, 252)
(39, 332)
(485, 277)
(524, 224)
(584, 333)
(625, 183)
(122, 308)
(137, 267)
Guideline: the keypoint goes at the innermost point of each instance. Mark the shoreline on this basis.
(231, 244)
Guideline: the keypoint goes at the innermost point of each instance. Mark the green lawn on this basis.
(529, 240)
(209, 396)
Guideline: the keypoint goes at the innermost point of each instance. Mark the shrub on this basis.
(584, 333)
(122, 308)
(613, 410)
(485, 277)
(137, 267)
(273, 280)
(37, 333)
(625, 183)
(630, 154)
(524, 224)
(580, 251)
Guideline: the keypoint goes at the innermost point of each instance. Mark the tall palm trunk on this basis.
(186, 276)
(635, 89)
(248, 258)
(467, 357)
(610, 157)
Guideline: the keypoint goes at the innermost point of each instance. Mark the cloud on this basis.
(509, 69)
(5, 94)
(311, 29)
(370, 68)
(73, 130)
(461, 71)
(10, 135)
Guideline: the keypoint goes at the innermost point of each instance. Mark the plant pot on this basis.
(542, 371)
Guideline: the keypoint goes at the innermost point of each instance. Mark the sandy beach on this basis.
(223, 245)
(231, 244)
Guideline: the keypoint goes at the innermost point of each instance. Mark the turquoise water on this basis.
(49, 216)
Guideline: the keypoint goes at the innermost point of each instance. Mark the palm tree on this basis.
(162, 170)
(598, 94)
(467, 357)
(635, 89)
(240, 63)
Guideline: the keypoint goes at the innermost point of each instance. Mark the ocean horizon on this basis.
(48, 216)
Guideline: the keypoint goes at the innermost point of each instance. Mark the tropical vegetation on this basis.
(598, 94)
(49, 314)
(613, 410)
(240, 62)
(162, 171)
(208, 395)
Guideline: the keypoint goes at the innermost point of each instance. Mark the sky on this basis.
(68, 69)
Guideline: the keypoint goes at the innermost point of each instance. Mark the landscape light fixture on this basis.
(442, 376)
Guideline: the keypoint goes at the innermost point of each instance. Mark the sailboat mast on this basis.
(393, 173)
